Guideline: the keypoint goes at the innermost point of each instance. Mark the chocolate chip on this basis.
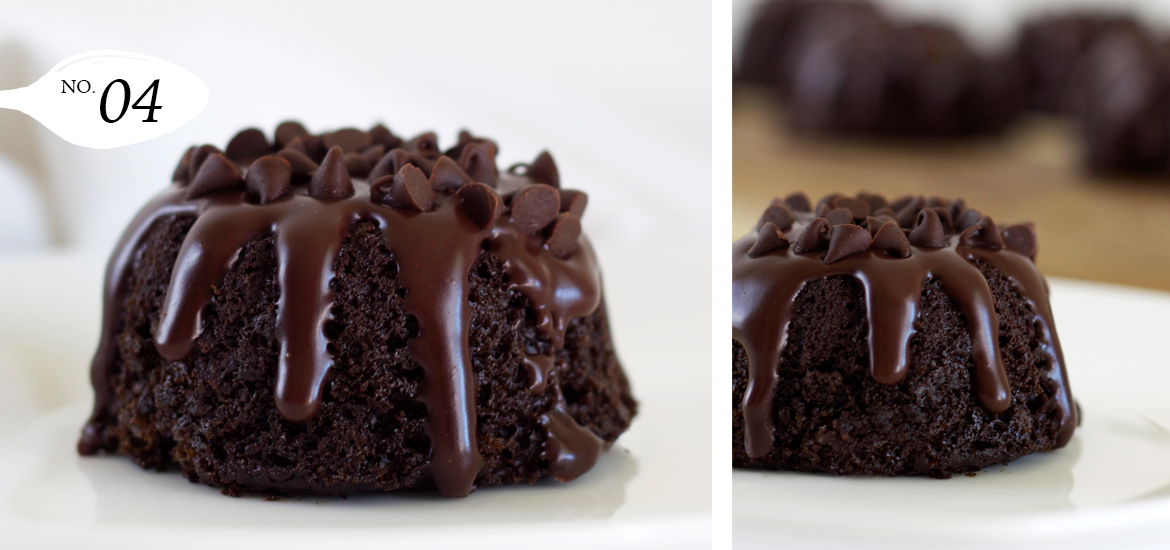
(248, 145)
(891, 240)
(216, 173)
(356, 164)
(983, 234)
(269, 178)
(798, 202)
(956, 208)
(886, 211)
(479, 161)
(928, 230)
(768, 238)
(374, 153)
(1022, 239)
(814, 238)
(909, 213)
(872, 224)
(331, 180)
(480, 204)
(573, 202)
(381, 135)
(351, 140)
(846, 240)
(839, 216)
(426, 144)
(182, 173)
(465, 139)
(408, 189)
(302, 165)
(777, 214)
(314, 147)
(563, 235)
(827, 201)
(197, 157)
(944, 215)
(875, 202)
(534, 207)
(287, 131)
(968, 218)
(901, 202)
(859, 208)
(390, 163)
(296, 144)
(448, 176)
(935, 201)
(543, 170)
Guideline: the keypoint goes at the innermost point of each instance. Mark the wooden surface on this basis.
(1105, 229)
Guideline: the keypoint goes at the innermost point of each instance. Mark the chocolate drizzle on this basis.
(766, 285)
(435, 250)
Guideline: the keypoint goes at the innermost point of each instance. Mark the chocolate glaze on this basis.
(434, 251)
(765, 287)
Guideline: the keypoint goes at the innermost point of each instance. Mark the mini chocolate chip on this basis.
(798, 202)
(768, 238)
(390, 163)
(968, 218)
(427, 144)
(248, 145)
(872, 224)
(182, 173)
(534, 207)
(216, 173)
(480, 204)
(197, 157)
(956, 208)
(374, 153)
(269, 178)
(944, 216)
(778, 214)
(875, 202)
(909, 213)
(296, 144)
(823, 210)
(302, 165)
(892, 240)
(928, 231)
(543, 170)
(351, 140)
(1022, 239)
(901, 202)
(563, 235)
(331, 180)
(479, 161)
(886, 211)
(465, 138)
(814, 238)
(983, 234)
(448, 176)
(314, 147)
(573, 201)
(356, 164)
(846, 240)
(839, 216)
(287, 131)
(381, 135)
(935, 201)
(859, 208)
(827, 201)
(408, 188)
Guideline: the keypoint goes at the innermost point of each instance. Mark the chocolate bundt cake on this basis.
(909, 338)
(352, 312)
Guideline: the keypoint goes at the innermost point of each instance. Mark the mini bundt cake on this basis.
(908, 338)
(352, 312)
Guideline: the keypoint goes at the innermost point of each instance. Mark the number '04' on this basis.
(152, 90)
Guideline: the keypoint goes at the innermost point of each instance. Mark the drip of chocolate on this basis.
(892, 270)
(435, 236)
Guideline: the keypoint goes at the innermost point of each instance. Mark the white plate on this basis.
(651, 491)
(1107, 488)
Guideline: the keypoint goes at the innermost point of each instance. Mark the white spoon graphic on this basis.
(107, 99)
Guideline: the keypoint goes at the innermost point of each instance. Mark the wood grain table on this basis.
(1106, 229)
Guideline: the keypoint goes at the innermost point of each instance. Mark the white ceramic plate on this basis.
(651, 491)
(1107, 489)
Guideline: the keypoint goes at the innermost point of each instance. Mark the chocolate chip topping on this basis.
(351, 140)
(374, 153)
(534, 207)
(1022, 239)
(944, 215)
(968, 218)
(408, 188)
(331, 180)
(426, 144)
(480, 203)
(302, 165)
(479, 161)
(892, 240)
(357, 164)
(859, 208)
(182, 171)
(798, 202)
(561, 236)
(770, 237)
(287, 131)
(544, 170)
(217, 173)
(573, 202)
(777, 214)
(814, 238)
(839, 216)
(448, 176)
(983, 234)
(269, 179)
(247, 146)
(826, 203)
(928, 231)
(875, 202)
(908, 214)
(381, 135)
(846, 240)
(197, 157)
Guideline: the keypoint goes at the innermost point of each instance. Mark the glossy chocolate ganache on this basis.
(437, 211)
(895, 252)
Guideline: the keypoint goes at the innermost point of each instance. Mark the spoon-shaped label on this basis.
(108, 99)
